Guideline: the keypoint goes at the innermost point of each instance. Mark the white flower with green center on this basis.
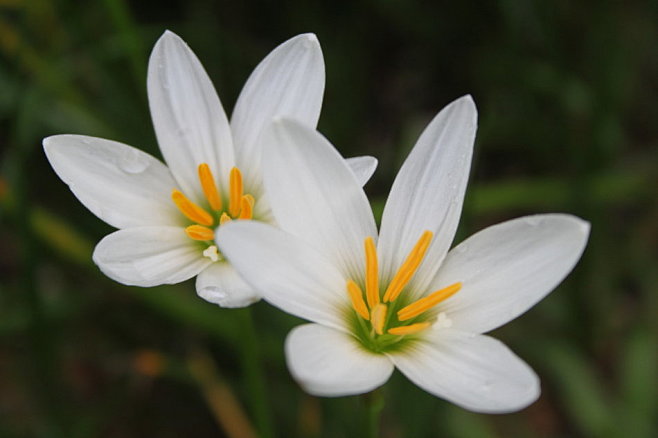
(398, 298)
(167, 216)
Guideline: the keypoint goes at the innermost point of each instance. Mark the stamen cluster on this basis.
(240, 206)
(389, 318)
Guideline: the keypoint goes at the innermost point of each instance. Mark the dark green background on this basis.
(566, 93)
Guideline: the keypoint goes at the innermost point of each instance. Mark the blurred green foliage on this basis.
(566, 93)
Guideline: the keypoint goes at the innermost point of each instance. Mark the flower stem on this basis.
(374, 404)
(253, 372)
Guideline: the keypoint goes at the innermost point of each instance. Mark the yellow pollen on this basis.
(235, 192)
(192, 211)
(198, 232)
(378, 318)
(372, 273)
(408, 268)
(409, 329)
(246, 207)
(209, 187)
(426, 303)
(224, 218)
(356, 295)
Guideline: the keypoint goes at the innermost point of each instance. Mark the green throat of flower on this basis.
(387, 322)
(205, 221)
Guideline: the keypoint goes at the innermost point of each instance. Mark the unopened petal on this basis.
(330, 363)
(188, 118)
(507, 268)
(122, 185)
(428, 191)
(221, 284)
(476, 372)
(149, 256)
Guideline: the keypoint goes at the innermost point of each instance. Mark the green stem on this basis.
(253, 372)
(374, 404)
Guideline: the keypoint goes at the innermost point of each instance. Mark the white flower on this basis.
(400, 299)
(167, 216)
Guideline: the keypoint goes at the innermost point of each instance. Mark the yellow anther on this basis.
(209, 187)
(235, 192)
(378, 318)
(426, 303)
(246, 207)
(356, 295)
(197, 232)
(372, 273)
(192, 211)
(408, 268)
(409, 329)
(224, 218)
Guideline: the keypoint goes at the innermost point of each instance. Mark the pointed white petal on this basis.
(363, 167)
(315, 195)
(287, 272)
(330, 363)
(122, 185)
(289, 82)
(507, 268)
(219, 283)
(149, 256)
(188, 118)
(428, 192)
(476, 372)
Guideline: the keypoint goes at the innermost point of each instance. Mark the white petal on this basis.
(188, 118)
(315, 195)
(285, 271)
(363, 167)
(149, 256)
(330, 363)
(122, 185)
(507, 268)
(219, 283)
(476, 372)
(428, 192)
(289, 82)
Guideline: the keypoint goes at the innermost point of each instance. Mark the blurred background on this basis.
(566, 93)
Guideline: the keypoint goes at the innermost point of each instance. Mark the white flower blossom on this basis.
(398, 298)
(167, 215)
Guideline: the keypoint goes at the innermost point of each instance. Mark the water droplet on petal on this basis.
(132, 161)
(533, 221)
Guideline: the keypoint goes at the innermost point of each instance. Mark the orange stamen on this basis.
(372, 273)
(356, 295)
(426, 303)
(378, 318)
(246, 207)
(197, 232)
(224, 218)
(409, 329)
(235, 192)
(192, 211)
(209, 187)
(408, 268)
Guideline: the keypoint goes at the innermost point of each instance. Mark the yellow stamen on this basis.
(246, 207)
(426, 303)
(409, 329)
(356, 295)
(224, 218)
(197, 232)
(209, 187)
(378, 318)
(192, 211)
(408, 268)
(372, 273)
(235, 192)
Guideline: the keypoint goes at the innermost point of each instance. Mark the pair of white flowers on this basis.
(264, 206)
